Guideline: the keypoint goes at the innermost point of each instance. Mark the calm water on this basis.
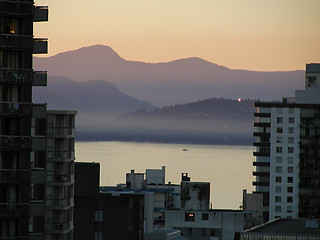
(227, 168)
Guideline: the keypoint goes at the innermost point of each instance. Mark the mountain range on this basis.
(180, 81)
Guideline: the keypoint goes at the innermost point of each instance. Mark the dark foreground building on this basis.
(102, 216)
(36, 145)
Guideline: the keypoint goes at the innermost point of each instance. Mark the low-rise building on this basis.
(206, 224)
(284, 229)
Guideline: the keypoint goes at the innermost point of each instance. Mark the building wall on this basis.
(205, 224)
(22, 177)
(284, 162)
(60, 175)
(195, 195)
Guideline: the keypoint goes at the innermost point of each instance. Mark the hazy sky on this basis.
(243, 34)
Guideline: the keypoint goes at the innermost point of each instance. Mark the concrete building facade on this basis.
(287, 155)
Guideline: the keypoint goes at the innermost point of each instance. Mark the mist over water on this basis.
(227, 168)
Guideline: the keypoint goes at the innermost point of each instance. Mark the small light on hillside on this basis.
(239, 99)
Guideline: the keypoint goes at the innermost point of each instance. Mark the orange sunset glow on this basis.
(248, 34)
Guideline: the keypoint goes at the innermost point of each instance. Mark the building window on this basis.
(290, 159)
(291, 120)
(98, 216)
(290, 149)
(278, 179)
(278, 188)
(289, 199)
(279, 130)
(291, 140)
(290, 130)
(290, 169)
(278, 208)
(279, 119)
(98, 236)
(279, 139)
(278, 169)
(279, 110)
(289, 189)
(279, 149)
(205, 216)
(291, 110)
(278, 199)
(289, 209)
(189, 217)
(279, 159)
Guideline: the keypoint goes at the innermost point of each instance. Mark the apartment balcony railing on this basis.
(14, 209)
(15, 143)
(261, 134)
(261, 144)
(60, 131)
(62, 226)
(14, 175)
(264, 174)
(15, 76)
(16, 7)
(262, 114)
(59, 155)
(15, 108)
(40, 78)
(14, 41)
(261, 124)
(40, 45)
(261, 154)
(41, 14)
(260, 183)
(261, 164)
(62, 178)
(64, 202)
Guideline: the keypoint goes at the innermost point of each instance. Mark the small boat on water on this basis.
(185, 150)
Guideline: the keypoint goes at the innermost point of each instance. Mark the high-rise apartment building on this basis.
(36, 146)
(288, 152)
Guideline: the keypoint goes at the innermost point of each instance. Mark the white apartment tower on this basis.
(288, 152)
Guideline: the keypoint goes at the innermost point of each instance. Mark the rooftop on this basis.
(298, 226)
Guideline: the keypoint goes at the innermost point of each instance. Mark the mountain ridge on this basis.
(178, 81)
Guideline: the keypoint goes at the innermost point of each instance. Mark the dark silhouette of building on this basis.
(36, 145)
(98, 215)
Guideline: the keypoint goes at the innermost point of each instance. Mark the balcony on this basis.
(61, 155)
(261, 134)
(264, 184)
(261, 164)
(59, 203)
(41, 14)
(262, 114)
(15, 42)
(15, 76)
(14, 209)
(40, 45)
(261, 124)
(261, 154)
(16, 8)
(40, 78)
(15, 143)
(261, 144)
(60, 131)
(15, 108)
(261, 174)
(63, 226)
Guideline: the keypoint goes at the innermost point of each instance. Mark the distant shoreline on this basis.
(165, 138)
